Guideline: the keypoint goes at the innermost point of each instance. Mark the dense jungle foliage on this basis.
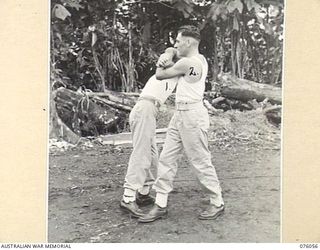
(110, 44)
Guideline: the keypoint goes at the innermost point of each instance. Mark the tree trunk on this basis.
(215, 54)
(98, 66)
(245, 90)
(130, 71)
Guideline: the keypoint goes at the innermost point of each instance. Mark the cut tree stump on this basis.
(88, 114)
(245, 90)
(273, 114)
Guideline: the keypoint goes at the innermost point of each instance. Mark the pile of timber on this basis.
(235, 93)
(241, 94)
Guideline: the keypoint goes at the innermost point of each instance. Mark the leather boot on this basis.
(212, 212)
(144, 200)
(131, 208)
(155, 213)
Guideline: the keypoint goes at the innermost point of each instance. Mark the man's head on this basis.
(187, 40)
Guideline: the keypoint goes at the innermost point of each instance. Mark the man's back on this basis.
(159, 89)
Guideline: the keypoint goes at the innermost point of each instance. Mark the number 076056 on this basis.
(308, 245)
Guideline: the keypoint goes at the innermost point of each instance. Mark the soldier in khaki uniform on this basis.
(142, 119)
(187, 129)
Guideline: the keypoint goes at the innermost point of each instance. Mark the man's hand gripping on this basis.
(166, 59)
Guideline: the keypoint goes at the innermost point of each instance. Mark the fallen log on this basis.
(245, 90)
(116, 97)
(112, 104)
(217, 100)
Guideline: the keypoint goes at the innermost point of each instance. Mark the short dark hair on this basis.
(190, 30)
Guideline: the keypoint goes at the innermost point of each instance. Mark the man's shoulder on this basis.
(200, 57)
(194, 61)
(187, 61)
(182, 63)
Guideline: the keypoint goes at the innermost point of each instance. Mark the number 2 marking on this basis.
(192, 73)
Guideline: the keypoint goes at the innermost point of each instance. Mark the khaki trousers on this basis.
(142, 121)
(188, 130)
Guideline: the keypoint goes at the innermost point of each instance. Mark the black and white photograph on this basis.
(165, 121)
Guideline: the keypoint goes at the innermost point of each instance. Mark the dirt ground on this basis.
(85, 188)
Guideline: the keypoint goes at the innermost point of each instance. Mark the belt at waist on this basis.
(150, 99)
(188, 106)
